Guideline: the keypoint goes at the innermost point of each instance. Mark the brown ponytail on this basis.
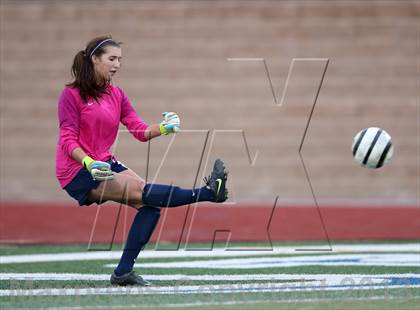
(83, 71)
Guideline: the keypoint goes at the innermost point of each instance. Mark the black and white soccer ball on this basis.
(372, 147)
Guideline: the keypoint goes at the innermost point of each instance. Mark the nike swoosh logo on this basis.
(219, 184)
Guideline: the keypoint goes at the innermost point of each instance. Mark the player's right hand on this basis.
(100, 171)
(170, 124)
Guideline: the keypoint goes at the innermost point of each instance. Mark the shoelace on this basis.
(207, 179)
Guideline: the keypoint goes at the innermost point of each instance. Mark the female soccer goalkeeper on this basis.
(90, 110)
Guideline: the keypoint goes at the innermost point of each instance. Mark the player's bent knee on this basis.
(135, 205)
(135, 186)
(134, 194)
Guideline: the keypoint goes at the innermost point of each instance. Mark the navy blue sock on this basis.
(159, 195)
(141, 229)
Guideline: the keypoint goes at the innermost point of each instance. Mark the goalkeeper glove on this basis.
(170, 124)
(100, 171)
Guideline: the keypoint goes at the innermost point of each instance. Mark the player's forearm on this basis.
(152, 131)
(78, 154)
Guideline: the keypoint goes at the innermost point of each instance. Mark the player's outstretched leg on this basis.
(146, 219)
(167, 196)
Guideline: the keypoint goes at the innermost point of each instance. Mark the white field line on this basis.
(111, 255)
(231, 303)
(197, 289)
(379, 259)
(220, 277)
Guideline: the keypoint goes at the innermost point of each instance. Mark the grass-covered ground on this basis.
(61, 284)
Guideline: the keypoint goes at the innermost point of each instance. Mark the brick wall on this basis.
(175, 59)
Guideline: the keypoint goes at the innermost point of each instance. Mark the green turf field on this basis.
(352, 276)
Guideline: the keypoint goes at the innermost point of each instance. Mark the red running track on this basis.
(29, 223)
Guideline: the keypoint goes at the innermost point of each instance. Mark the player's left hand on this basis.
(170, 124)
(100, 171)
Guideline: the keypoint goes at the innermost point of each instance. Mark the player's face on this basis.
(108, 63)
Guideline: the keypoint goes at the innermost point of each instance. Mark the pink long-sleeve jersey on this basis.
(92, 126)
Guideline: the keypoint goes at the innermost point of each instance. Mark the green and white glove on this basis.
(170, 124)
(100, 171)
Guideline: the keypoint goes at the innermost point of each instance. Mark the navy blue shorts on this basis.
(83, 183)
